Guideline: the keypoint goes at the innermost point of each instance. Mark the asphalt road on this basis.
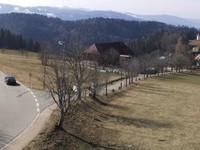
(19, 107)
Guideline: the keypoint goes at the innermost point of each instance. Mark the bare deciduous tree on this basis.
(59, 84)
(145, 62)
(133, 69)
(78, 67)
(180, 61)
(108, 60)
(125, 69)
(95, 79)
(67, 69)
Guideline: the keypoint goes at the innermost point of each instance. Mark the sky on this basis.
(181, 8)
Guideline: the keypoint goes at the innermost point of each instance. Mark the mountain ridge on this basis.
(42, 28)
(73, 14)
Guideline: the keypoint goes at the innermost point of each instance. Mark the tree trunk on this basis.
(106, 88)
(61, 121)
(126, 81)
(162, 71)
(79, 92)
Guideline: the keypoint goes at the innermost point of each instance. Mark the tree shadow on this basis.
(150, 88)
(138, 122)
(101, 102)
(96, 99)
(20, 95)
(173, 77)
(90, 107)
(94, 145)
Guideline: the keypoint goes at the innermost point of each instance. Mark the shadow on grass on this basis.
(169, 77)
(140, 104)
(98, 112)
(184, 77)
(138, 122)
(96, 99)
(155, 91)
(101, 102)
(86, 105)
(94, 145)
(151, 88)
(194, 73)
(177, 76)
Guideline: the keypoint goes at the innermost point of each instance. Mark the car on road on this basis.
(10, 80)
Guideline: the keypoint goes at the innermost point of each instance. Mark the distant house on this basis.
(195, 45)
(196, 49)
(197, 57)
(109, 52)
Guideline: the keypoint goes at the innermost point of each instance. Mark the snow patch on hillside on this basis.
(17, 9)
(51, 15)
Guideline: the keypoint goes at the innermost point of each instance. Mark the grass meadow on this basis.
(27, 69)
(157, 113)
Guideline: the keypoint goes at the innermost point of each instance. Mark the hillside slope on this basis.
(88, 31)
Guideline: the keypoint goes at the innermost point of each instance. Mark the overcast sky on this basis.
(181, 8)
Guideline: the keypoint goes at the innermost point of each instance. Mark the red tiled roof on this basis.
(100, 48)
(197, 57)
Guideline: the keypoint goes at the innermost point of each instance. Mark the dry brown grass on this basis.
(28, 70)
(21, 67)
(161, 113)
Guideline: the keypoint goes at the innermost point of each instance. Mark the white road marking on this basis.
(36, 100)
(38, 110)
(22, 133)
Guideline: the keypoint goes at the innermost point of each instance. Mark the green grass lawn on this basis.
(158, 113)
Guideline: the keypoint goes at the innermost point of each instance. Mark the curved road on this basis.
(19, 107)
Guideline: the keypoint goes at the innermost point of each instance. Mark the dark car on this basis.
(10, 80)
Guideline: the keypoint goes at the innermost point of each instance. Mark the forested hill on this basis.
(142, 37)
(9, 40)
(42, 28)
